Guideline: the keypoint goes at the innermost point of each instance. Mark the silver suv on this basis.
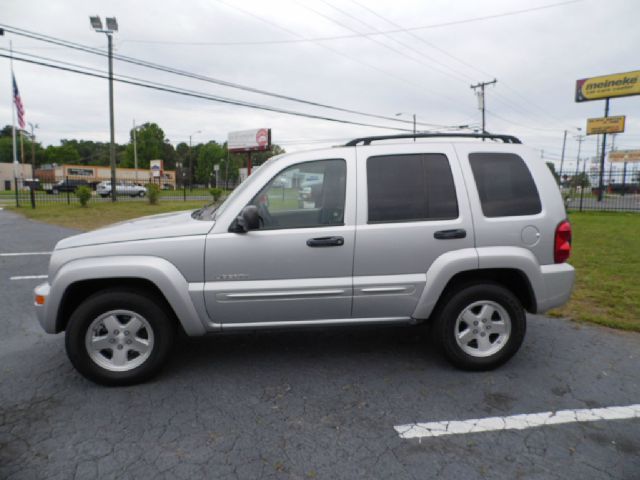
(463, 235)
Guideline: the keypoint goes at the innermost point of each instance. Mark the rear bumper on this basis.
(46, 320)
(557, 285)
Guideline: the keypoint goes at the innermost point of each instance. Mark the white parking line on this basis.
(516, 422)
(21, 254)
(28, 277)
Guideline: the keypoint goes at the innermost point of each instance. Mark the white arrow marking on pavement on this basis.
(20, 254)
(28, 277)
(516, 422)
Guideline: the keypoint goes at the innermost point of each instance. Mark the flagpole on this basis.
(13, 114)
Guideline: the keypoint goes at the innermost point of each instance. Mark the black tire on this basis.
(104, 196)
(141, 194)
(453, 307)
(143, 304)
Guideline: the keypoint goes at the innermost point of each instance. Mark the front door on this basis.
(297, 267)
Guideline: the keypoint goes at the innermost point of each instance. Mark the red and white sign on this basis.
(249, 140)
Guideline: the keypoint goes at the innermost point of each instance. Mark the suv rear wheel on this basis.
(480, 326)
(118, 337)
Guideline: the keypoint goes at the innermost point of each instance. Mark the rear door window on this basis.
(412, 187)
(505, 185)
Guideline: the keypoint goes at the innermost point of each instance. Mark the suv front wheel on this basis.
(118, 337)
(480, 326)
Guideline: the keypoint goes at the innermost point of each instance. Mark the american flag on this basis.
(18, 101)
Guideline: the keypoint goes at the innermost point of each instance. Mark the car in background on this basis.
(66, 185)
(133, 190)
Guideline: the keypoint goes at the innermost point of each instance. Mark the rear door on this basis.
(412, 208)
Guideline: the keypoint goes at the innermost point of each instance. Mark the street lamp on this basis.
(190, 161)
(112, 27)
(33, 150)
(414, 122)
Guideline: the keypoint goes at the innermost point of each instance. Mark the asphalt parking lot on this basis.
(314, 404)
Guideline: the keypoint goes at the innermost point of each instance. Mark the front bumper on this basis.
(41, 292)
(557, 282)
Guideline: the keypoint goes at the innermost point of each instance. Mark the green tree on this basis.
(6, 131)
(6, 149)
(150, 145)
(580, 180)
(209, 155)
(65, 153)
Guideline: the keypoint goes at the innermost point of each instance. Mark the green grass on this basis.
(283, 199)
(99, 214)
(606, 255)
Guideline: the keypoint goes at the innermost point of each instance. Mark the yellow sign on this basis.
(617, 85)
(624, 156)
(605, 125)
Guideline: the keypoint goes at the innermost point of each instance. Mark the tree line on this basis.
(151, 144)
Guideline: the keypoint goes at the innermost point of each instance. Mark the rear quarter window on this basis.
(505, 185)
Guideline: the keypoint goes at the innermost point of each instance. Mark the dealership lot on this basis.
(314, 404)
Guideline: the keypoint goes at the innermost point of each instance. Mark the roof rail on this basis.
(368, 140)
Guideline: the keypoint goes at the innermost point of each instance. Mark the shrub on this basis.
(153, 193)
(216, 193)
(84, 195)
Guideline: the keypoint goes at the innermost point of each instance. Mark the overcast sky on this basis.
(536, 57)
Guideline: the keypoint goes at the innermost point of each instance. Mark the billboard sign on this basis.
(605, 125)
(249, 140)
(607, 86)
(156, 168)
(620, 156)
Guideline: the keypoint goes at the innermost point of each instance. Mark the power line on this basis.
(184, 73)
(500, 98)
(204, 96)
(379, 42)
(418, 87)
(369, 34)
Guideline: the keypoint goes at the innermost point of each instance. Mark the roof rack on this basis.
(368, 140)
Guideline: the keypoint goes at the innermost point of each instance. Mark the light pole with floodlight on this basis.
(112, 26)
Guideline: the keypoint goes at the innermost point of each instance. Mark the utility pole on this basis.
(135, 150)
(564, 144)
(112, 27)
(580, 139)
(602, 154)
(33, 150)
(190, 160)
(481, 101)
(414, 122)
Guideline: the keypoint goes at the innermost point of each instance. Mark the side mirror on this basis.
(247, 220)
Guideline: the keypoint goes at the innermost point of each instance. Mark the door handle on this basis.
(326, 242)
(450, 234)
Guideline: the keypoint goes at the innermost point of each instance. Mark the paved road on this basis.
(304, 405)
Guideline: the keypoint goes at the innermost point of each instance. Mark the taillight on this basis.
(562, 244)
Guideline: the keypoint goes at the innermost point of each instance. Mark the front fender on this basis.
(162, 273)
